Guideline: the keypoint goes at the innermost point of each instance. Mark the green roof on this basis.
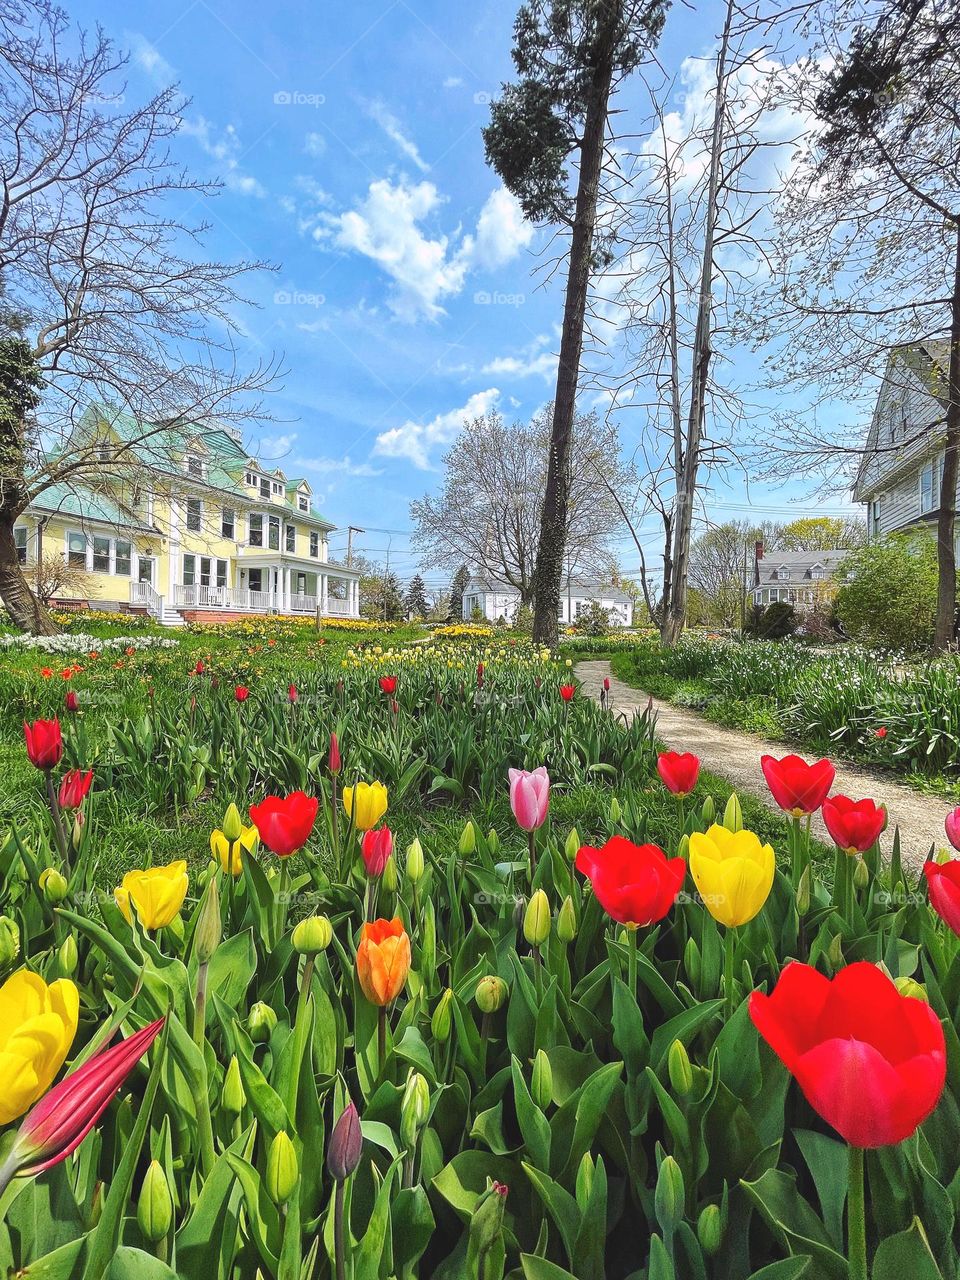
(86, 504)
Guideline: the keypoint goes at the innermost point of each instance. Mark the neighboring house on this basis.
(800, 578)
(899, 475)
(189, 526)
(498, 600)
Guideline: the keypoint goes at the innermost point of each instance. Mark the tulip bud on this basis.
(155, 1206)
(536, 920)
(346, 1145)
(67, 957)
(232, 827)
(708, 811)
(312, 935)
(572, 846)
(414, 1109)
(389, 877)
(206, 937)
(333, 759)
(428, 941)
(733, 813)
(584, 1184)
(616, 813)
(683, 847)
(486, 1225)
(803, 892)
(679, 1068)
(541, 1082)
(491, 993)
(283, 1168)
(9, 941)
(234, 1097)
(567, 921)
(468, 839)
(442, 1016)
(710, 1229)
(261, 1022)
(493, 842)
(53, 885)
(861, 874)
(691, 961)
(669, 1196)
(835, 951)
(415, 862)
(912, 988)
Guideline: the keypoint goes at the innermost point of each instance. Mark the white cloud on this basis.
(379, 112)
(453, 82)
(502, 230)
(425, 270)
(273, 448)
(224, 147)
(314, 144)
(149, 58)
(416, 440)
(343, 466)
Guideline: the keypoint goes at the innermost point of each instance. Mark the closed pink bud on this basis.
(529, 797)
(952, 826)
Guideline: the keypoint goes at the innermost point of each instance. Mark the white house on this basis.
(498, 600)
(899, 475)
(800, 578)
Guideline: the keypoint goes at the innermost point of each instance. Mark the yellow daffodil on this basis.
(37, 1026)
(157, 894)
(371, 804)
(733, 872)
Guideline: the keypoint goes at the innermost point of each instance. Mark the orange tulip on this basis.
(383, 960)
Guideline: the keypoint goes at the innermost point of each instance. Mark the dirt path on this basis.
(736, 757)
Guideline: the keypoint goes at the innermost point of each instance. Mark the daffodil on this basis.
(37, 1027)
(733, 872)
(371, 804)
(157, 894)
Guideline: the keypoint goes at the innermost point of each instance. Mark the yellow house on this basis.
(184, 525)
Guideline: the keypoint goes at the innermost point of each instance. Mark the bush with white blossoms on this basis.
(82, 643)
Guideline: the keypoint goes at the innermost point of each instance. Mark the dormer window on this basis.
(818, 571)
(303, 502)
(264, 487)
(277, 488)
(783, 573)
(250, 479)
(195, 468)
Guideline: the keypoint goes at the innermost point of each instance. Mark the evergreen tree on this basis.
(416, 601)
(458, 586)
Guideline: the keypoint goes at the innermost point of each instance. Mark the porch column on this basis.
(354, 599)
(286, 589)
(324, 599)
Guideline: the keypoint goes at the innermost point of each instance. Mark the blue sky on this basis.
(348, 141)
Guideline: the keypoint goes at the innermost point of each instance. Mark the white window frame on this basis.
(195, 466)
(101, 538)
(314, 544)
(230, 523)
(189, 573)
(117, 557)
(273, 527)
(931, 474)
(21, 540)
(875, 516)
(783, 574)
(303, 501)
(290, 543)
(251, 529)
(68, 553)
(198, 528)
(265, 487)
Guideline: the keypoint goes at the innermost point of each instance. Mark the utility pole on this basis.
(351, 530)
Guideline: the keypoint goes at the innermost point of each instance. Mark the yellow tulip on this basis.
(733, 872)
(371, 804)
(37, 1026)
(157, 894)
(229, 851)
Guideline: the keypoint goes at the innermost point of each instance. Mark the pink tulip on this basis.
(530, 797)
(952, 826)
(55, 1127)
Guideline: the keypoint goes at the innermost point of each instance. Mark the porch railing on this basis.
(145, 595)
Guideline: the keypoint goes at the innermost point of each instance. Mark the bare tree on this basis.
(487, 514)
(109, 297)
(53, 575)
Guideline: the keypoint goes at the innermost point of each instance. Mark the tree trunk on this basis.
(947, 517)
(553, 520)
(25, 610)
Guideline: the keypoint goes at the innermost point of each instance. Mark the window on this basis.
(20, 542)
(195, 467)
(256, 530)
(204, 571)
(221, 573)
(264, 487)
(249, 478)
(273, 538)
(277, 488)
(77, 550)
(122, 557)
(101, 555)
(189, 570)
(314, 544)
(194, 514)
(875, 518)
(291, 537)
(817, 572)
(303, 502)
(783, 573)
(105, 452)
(930, 485)
(301, 584)
(255, 579)
(227, 524)
(145, 569)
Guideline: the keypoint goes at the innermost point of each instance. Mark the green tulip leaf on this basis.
(906, 1254)
(134, 1264)
(535, 1268)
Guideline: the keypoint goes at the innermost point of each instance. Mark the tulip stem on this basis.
(282, 900)
(632, 960)
(338, 1249)
(856, 1216)
(532, 842)
(382, 1035)
(8, 1172)
(200, 1007)
(729, 946)
(59, 832)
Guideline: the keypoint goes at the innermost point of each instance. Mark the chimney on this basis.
(757, 557)
(758, 551)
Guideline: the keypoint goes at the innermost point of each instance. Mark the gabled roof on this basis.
(86, 504)
(799, 564)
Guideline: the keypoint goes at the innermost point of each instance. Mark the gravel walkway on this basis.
(736, 757)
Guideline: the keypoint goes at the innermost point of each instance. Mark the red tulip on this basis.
(678, 771)
(870, 1061)
(44, 743)
(854, 826)
(951, 825)
(395, 706)
(606, 684)
(285, 822)
(798, 788)
(943, 886)
(333, 760)
(198, 670)
(388, 684)
(74, 786)
(881, 732)
(376, 847)
(241, 693)
(63, 1117)
(567, 691)
(71, 701)
(292, 693)
(635, 884)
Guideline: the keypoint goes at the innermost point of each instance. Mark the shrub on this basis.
(593, 619)
(775, 622)
(888, 592)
